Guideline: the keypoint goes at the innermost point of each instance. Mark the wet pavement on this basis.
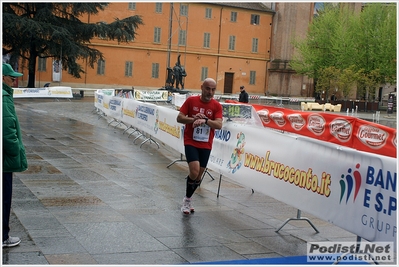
(92, 196)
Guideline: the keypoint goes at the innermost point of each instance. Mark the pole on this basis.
(170, 35)
(217, 56)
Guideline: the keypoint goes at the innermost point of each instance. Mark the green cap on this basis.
(8, 71)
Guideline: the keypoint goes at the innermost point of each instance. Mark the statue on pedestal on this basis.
(176, 75)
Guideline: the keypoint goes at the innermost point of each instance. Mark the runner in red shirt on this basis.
(201, 116)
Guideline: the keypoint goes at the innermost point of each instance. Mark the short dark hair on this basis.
(242, 87)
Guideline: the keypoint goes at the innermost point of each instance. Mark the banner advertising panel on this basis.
(110, 92)
(154, 95)
(57, 70)
(351, 189)
(170, 131)
(44, 92)
(339, 129)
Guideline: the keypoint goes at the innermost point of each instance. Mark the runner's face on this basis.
(208, 90)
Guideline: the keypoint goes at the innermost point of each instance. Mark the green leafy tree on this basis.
(361, 43)
(376, 38)
(55, 30)
(328, 81)
(367, 83)
(316, 51)
(347, 80)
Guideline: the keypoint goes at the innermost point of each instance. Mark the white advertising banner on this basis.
(146, 117)
(170, 131)
(178, 99)
(159, 122)
(57, 70)
(352, 189)
(110, 92)
(46, 92)
(98, 100)
(154, 95)
(112, 106)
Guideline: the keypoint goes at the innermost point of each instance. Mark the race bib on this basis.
(201, 133)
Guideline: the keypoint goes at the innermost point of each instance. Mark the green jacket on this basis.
(14, 157)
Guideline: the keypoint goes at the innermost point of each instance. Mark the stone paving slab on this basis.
(92, 196)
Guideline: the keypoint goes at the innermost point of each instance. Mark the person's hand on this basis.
(199, 116)
(198, 122)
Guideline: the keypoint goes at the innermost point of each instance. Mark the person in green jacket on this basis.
(14, 156)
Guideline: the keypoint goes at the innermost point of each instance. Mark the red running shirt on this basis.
(194, 105)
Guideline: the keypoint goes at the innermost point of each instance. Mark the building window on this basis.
(157, 35)
(255, 19)
(183, 10)
(233, 16)
(208, 13)
(204, 73)
(41, 66)
(101, 67)
(132, 6)
(232, 42)
(207, 39)
(252, 76)
(182, 37)
(129, 69)
(255, 45)
(155, 70)
(158, 7)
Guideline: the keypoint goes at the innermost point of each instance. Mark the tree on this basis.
(376, 37)
(328, 81)
(55, 30)
(317, 51)
(367, 83)
(358, 43)
(347, 79)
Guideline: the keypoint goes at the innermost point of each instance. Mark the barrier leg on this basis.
(101, 114)
(207, 172)
(137, 137)
(111, 122)
(130, 127)
(177, 160)
(298, 218)
(203, 175)
(119, 123)
(220, 181)
(135, 130)
(151, 141)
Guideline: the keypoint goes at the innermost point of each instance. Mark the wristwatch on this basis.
(206, 121)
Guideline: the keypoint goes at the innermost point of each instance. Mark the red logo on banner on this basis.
(278, 118)
(297, 121)
(264, 116)
(372, 136)
(316, 124)
(341, 129)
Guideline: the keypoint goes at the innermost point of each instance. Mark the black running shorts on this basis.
(197, 154)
